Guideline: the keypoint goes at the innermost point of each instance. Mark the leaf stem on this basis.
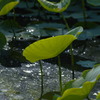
(60, 73)
(42, 86)
(71, 50)
(84, 12)
(66, 23)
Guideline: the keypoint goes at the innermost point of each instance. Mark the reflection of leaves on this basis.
(9, 27)
(90, 33)
(2, 40)
(11, 58)
(87, 63)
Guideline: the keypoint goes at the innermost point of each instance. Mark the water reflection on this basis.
(24, 83)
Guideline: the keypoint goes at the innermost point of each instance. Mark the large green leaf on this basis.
(2, 40)
(94, 2)
(79, 89)
(87, 75)
(7, 5)
(48, 48)
(55, 7)
(77, 93)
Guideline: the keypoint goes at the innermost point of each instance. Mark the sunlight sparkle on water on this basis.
(27, 71)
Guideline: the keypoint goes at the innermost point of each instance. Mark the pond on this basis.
(29, 22)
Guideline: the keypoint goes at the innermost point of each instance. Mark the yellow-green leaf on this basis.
(55, 7)
(87, 76)
(48, 48)
(77, 93)
(98, 96)
(76, 31)
(6, 6)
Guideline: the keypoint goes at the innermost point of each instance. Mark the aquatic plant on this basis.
(78, 89)
(55, 7)
(49, 48)
(7, 5)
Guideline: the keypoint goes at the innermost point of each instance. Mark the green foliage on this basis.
(7, 5)
(98, 97)
(80, 88)
(77, 93)
(94, 2)
(48, 48)
(76, 31)
(2, 40)
(55, 7)
(51, 95)
(88, 75)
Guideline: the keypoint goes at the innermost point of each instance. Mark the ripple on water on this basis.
(24, 83)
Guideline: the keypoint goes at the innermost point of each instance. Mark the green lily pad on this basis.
(48, 48)
(7, 5)
(2, 40)
(87, 63)
(94, 2)
(55, 7)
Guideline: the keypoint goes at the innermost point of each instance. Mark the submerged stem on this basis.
(42, 87)
(71, 50)
(60, 73)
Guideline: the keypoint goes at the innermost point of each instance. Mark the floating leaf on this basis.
(55, 7)
(94, 2)
(2, 40)
(7, 5)
(48, 48)
(87, 63)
